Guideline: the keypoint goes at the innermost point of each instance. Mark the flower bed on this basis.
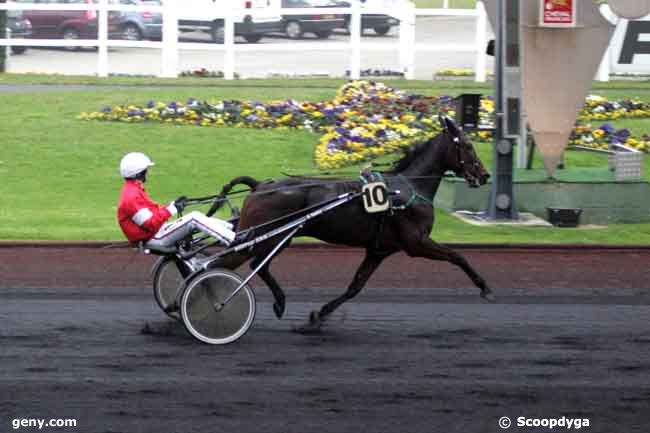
(366, 119)
(595, 108)
(603, 136)
(452, 72)
(600, 108)
(204, 73)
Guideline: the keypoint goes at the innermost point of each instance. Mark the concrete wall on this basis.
(601, 203)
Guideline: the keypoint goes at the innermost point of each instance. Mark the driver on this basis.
(143, 220)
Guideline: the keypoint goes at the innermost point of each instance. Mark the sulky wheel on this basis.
(167, 281)
(203, 313)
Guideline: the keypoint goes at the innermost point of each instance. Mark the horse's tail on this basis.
(221, 198)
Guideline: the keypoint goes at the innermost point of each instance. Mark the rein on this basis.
(212, 198)
(414, 195)
(325, 182)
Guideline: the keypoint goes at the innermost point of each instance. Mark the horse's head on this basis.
(461, 157)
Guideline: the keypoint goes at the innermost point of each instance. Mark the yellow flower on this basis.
(598, 133)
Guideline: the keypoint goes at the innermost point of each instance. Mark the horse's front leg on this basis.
(370, 263)
(431, 250)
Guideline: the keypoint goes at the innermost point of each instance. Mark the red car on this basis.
(67, 24)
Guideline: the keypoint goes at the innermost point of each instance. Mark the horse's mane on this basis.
(410, 155)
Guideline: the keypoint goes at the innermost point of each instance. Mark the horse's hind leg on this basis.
(429, 249)
(370, 263)
(278, 293)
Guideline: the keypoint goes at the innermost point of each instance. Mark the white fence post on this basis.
(481, 43)
(7, 49)
(355, 40)
(445, 4)
(407, 40)
(102, 39)
(169, 67)
(405, 10)
(229, 41)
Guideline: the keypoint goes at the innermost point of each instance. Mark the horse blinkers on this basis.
(469, 166)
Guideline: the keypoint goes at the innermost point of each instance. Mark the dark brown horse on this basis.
(416, 175)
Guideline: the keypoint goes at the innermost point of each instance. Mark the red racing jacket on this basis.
(140, 217)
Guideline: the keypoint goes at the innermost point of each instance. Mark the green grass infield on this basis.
(60, 177)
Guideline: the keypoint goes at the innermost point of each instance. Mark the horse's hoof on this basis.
(278, 309)
(312, 327)
(488, 296)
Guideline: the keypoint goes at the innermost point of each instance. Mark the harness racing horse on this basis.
(416, 175)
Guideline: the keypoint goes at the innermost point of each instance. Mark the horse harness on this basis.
(396, 201)
(396, 198)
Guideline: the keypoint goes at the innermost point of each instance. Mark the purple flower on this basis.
(608, 128)
(623, 134)
(173, 105)
(151, 104)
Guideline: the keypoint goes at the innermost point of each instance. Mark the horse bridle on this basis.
(461, 160)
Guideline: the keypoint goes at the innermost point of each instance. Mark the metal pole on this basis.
(501, 205)
(4, 33)
(218, 306)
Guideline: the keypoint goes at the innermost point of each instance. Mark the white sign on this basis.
(375, 197)
(630, 47)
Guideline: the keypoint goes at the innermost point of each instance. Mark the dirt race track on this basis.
(569, 336)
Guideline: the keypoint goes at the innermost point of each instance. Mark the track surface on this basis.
(569, 336)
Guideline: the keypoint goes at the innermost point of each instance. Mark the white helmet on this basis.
(134, 163)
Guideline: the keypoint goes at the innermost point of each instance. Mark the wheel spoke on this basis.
(204, 314)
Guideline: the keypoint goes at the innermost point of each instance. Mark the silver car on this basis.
(135, 26)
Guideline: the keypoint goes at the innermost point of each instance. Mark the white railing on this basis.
(407, 46)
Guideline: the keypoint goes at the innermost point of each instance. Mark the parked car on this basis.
(380, 23)
(322, 25)
(136, 26)
(67, 24)
(207, 16)
(20, 28)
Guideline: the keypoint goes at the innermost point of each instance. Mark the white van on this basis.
(207, 16)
